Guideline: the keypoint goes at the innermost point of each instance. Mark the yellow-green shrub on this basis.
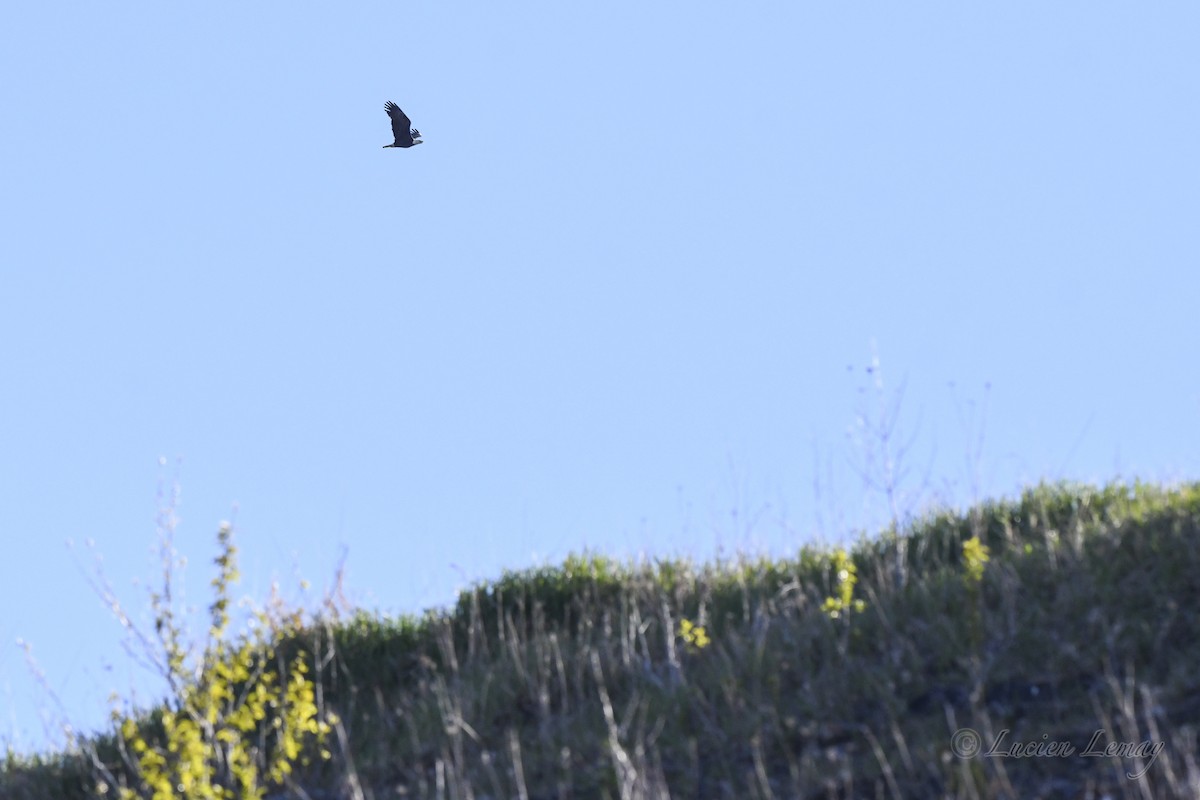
(845, 574)
(239, 720)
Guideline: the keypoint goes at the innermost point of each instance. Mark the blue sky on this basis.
(624, 297)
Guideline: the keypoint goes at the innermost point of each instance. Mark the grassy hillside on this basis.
(1071, 611)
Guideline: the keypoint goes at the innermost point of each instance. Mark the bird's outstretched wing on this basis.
(401, 124)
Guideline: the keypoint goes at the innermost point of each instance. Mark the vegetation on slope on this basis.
(943, 660)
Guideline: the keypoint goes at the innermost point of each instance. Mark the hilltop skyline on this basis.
(626, 297)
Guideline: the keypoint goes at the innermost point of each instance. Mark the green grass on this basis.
(588, 680)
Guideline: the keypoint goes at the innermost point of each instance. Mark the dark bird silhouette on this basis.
(406, 135)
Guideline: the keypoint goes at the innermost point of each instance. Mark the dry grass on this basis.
(575, 682)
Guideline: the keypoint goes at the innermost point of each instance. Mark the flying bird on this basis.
(406, 135)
